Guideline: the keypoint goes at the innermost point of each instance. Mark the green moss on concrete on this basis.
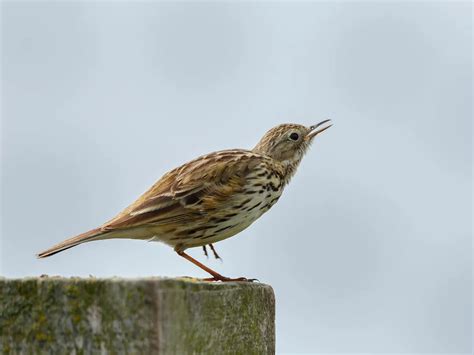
(150, 315)
(78, 314)
(238, 315)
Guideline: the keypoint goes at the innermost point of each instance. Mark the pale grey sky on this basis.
(368, 250)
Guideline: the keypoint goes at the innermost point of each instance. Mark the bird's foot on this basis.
(228, 279)
(215, 252)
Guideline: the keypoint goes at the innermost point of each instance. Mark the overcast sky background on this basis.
(368, 250)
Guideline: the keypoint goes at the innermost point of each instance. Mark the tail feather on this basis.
(72, 242)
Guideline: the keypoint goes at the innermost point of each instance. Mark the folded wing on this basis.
(191, 191)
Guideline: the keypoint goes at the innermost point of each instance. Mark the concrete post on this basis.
(136, 316)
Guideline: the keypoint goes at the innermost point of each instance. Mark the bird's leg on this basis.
(215, 275)
(205, 251)
(215, 253)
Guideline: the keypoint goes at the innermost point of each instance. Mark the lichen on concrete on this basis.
(136, 316)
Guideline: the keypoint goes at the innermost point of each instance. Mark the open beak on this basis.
(318, 128)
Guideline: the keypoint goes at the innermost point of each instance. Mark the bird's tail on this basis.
(72, 242)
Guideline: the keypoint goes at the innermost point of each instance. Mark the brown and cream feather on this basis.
(210, 198)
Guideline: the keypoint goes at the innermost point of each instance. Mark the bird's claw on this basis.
(228, 279)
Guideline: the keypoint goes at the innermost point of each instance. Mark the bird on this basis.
(210, 198)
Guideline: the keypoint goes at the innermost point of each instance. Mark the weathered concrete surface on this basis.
(135, 316)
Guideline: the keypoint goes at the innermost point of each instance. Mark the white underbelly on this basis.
(243, 218)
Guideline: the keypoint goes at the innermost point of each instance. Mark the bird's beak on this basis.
(316, 129)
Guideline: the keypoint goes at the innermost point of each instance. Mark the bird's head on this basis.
(288, 142)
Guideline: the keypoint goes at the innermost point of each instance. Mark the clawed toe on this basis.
(215, 276)
(228, 279)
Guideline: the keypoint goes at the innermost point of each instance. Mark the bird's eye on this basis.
(294, 136)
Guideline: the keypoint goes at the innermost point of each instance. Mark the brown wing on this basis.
(190, 191)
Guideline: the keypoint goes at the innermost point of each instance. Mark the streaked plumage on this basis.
(210, 198)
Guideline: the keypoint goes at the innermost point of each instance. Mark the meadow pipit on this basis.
(211, 198)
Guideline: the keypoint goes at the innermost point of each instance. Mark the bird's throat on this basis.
(290, 169)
